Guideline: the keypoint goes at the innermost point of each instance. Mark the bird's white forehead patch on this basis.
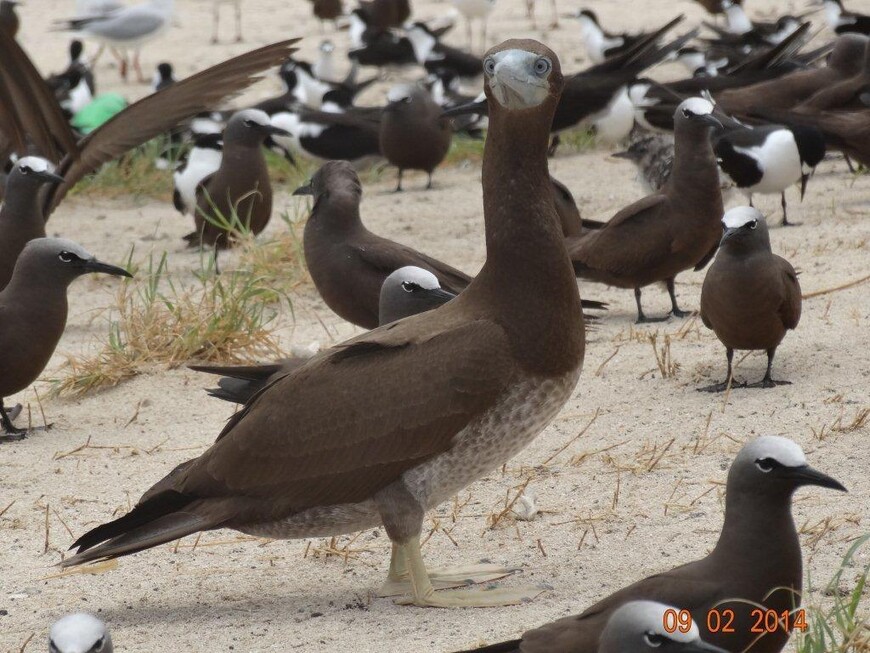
(35, 163)
(413, 274)
(739, 216)
(76, 632)
(784, 451)
(259, 117)
(399, 92)
(697, 105)
(651, 615)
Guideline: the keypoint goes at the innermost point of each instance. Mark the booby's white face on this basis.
(740, 216)
(411, 276)
(696, 106)
(518, 79)
(33, 164)
(78, 633)
(768, 448)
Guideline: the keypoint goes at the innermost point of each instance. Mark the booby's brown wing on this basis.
(161, 111)
(628, 241)
(32, 105)
(790, 309)
(390, 256)
(355, 418)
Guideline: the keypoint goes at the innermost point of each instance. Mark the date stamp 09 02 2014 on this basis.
(721, 621)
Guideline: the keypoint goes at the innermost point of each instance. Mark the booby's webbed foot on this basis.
(489, 598)
(446, 578)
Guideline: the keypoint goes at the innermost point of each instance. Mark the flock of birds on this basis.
(431, 402)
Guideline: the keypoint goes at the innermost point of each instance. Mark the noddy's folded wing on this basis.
(390, 256)
(790, 309)
(161, 111)
(632, 239)
(30, 105)
(355, 418)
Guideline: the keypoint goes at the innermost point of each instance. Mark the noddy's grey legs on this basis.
(767, 381)
(641, 318)
(785, 222)
(729, 378)
(12, 434)
(398, 582)
(424, 594)
(675, 310)
(399, 185)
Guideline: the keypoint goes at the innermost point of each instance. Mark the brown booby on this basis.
(32, 115)
(756, 564)
(33, 310)
(79, 633)
(663, 234)
(21, 217)
(384, 427)
(407, 291)
(751, 297)
(238, 196)
(414, 135)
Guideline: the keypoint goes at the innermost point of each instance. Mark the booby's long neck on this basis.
(527, 274)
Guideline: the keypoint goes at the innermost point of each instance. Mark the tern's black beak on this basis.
(728, 233)
(48, 177)
(707, 119)
(478, 106)
(304, 189)
(275, 131)
(437, 295)
(806, 475)
(96, 266)
(623, 155)
(804, 180)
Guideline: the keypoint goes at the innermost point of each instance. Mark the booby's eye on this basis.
(653, 639)
(67, 257)
(489, 66)
(753, 224)
(543, 66)
(410, 286)
(766, 465)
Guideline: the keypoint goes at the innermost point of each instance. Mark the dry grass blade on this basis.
(667, 367)
(828, 291)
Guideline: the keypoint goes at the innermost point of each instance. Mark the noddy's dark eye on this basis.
(99, 645)
(766, 464)
(410, 286)
(67, 257)
(249, 123)
(542, 66)
(24, 170)
(686, 113)
(654, 640)
(489, 66)
(753, 224)
(52, 647)
(406, 100)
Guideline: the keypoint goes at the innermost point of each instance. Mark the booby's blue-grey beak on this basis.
(518, 79)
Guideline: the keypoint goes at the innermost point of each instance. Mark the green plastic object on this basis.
(100, 110)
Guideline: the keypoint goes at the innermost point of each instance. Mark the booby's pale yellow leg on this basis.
(424, 594)
(398, 582)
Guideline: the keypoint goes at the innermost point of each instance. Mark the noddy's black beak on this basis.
(275, 131)
(622, 155)
(700, 646)
(708, 119)
(304, 189)
(807, 475)
(49, 177)
(438, 295)
(478, 106)
(104, 268)
(727, 234)
(804, 180)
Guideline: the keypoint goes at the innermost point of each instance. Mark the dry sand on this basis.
(639, 491)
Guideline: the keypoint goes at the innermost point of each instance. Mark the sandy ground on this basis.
(638, 492)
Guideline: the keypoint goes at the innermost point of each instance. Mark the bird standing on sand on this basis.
(414, 135)
(79, 633)
(381, 428)
(33, 311)
(755, 566)
(216, 16)
(21, 215)
(661, 235)
(238, 197)
(475, 10)
(751, 297)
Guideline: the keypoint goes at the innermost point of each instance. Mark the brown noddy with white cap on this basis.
(663, 234)
(383, 427)
(21, 216)
(751, 297)
(644, 627)
(347, 262)
(757, 562)
(33, 310)
(414, 135)
(238, 196)
(31, 113)
(407, 291)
